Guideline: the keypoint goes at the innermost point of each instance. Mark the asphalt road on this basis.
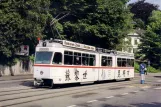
(105, 94)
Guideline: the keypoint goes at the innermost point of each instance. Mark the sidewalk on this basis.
(16, 77)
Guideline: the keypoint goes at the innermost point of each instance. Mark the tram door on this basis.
(106, 71)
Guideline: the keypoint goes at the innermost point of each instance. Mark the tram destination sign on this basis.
(78, 45)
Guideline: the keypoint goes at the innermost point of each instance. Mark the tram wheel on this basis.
(51, 85)
(128, 79)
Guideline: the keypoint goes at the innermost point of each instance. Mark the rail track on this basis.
(19, 96)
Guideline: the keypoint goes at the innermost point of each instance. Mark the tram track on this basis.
(64, 93)
(28, 90)
(31, 88)
(48, 95)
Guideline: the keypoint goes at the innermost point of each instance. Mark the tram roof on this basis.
(65, 43)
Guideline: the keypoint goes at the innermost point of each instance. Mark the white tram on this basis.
(62, 62)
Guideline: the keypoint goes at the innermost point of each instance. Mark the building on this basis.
(131, 43)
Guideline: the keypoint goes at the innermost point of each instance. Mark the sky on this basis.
(157, 2)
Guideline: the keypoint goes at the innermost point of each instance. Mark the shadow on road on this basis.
(153, 104)
(157, 76)
(30, 84)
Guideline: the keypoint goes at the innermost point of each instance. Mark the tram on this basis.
(64, 62)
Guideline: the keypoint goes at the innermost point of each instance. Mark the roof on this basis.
(133, 34)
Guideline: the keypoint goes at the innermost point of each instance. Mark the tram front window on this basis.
(43, 57)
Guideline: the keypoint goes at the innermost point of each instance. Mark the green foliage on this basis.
(142, 10)
(21, 22)
(32, 58)
(152, 70)
(139, 24)
(136, 67)
(104, 22)
(149, 69)
(151, 43)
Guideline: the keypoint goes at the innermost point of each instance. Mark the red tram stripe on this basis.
(65, 66)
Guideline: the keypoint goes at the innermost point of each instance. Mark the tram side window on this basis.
(124, 62)
(92, 60)
(128, 63)
(104, 61)
(109, 61)
(119, 62)
(57, 58)
(132, 62)
(77, 58)
(68, 57)
(85, 59)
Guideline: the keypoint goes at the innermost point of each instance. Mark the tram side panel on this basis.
(106, 71)
(121, 73)
(74, 74)
(123, 68)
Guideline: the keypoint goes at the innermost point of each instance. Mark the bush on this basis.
(150, 69)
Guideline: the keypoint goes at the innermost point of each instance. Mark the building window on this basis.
(129, 50)
(135, 42)
(134, 50)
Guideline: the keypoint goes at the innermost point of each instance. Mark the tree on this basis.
(151, 42)
(21, 22)
(102, 23)
(142, 10)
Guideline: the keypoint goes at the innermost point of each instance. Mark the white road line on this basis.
(109, 97)
(92, 101)
(157, 88)
(124, 93)
(71, 106)
(135, 91)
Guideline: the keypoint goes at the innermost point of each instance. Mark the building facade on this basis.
(131, 43)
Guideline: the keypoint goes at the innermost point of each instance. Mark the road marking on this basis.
(71, 106)
(158, 80)
(157, 88)
(124, 93)
(135, 91)
(109, 97)
(92, 101)
(145, 87)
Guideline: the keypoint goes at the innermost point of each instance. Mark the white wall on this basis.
(21, 68)
(133, 46)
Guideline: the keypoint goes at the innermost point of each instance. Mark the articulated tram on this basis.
(62, 62)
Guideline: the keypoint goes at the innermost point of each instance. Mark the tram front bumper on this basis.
(38, 82)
